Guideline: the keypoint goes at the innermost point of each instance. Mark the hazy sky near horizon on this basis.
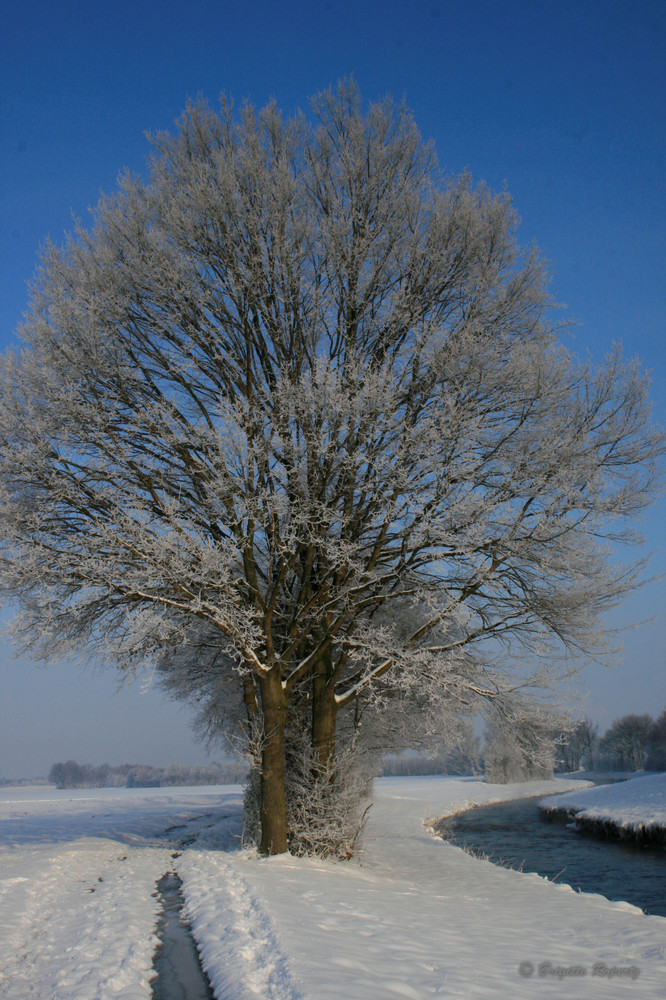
(563, 103)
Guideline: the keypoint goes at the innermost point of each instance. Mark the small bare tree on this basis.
(579, 745)
(522, 742)
(298, 398)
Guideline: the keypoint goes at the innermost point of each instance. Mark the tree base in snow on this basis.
(326, 808)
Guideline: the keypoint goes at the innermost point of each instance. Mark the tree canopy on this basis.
(292, 419)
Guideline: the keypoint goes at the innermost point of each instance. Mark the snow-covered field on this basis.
(416, 918)
(636, 804)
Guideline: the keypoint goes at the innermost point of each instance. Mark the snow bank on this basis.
(635, 808)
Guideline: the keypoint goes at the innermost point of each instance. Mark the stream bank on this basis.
(603, 828)
(514, 834)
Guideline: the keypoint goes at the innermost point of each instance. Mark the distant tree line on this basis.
(534, 746)
(18, 782)
(70, 774)
(631, 743)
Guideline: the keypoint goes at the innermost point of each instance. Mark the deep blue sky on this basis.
(561, 102)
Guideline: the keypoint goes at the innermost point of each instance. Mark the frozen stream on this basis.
(513, 834)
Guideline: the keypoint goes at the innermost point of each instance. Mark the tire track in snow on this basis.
(239, 947)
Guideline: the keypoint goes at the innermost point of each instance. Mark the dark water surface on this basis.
(179, 972)
(513, 834)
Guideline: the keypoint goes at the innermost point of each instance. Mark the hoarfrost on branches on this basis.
(298, 401)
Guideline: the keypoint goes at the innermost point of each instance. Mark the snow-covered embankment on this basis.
(629, 810)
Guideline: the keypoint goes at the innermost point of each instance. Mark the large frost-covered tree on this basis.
(291, 419)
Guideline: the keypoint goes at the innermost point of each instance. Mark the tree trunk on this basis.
(273, 811)
(324, 713)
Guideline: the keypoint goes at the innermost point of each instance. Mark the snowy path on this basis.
(417, 918)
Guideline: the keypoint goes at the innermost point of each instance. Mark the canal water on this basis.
(515, 835)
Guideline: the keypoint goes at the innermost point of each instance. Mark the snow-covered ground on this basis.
(636, 804)
(416, 918)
